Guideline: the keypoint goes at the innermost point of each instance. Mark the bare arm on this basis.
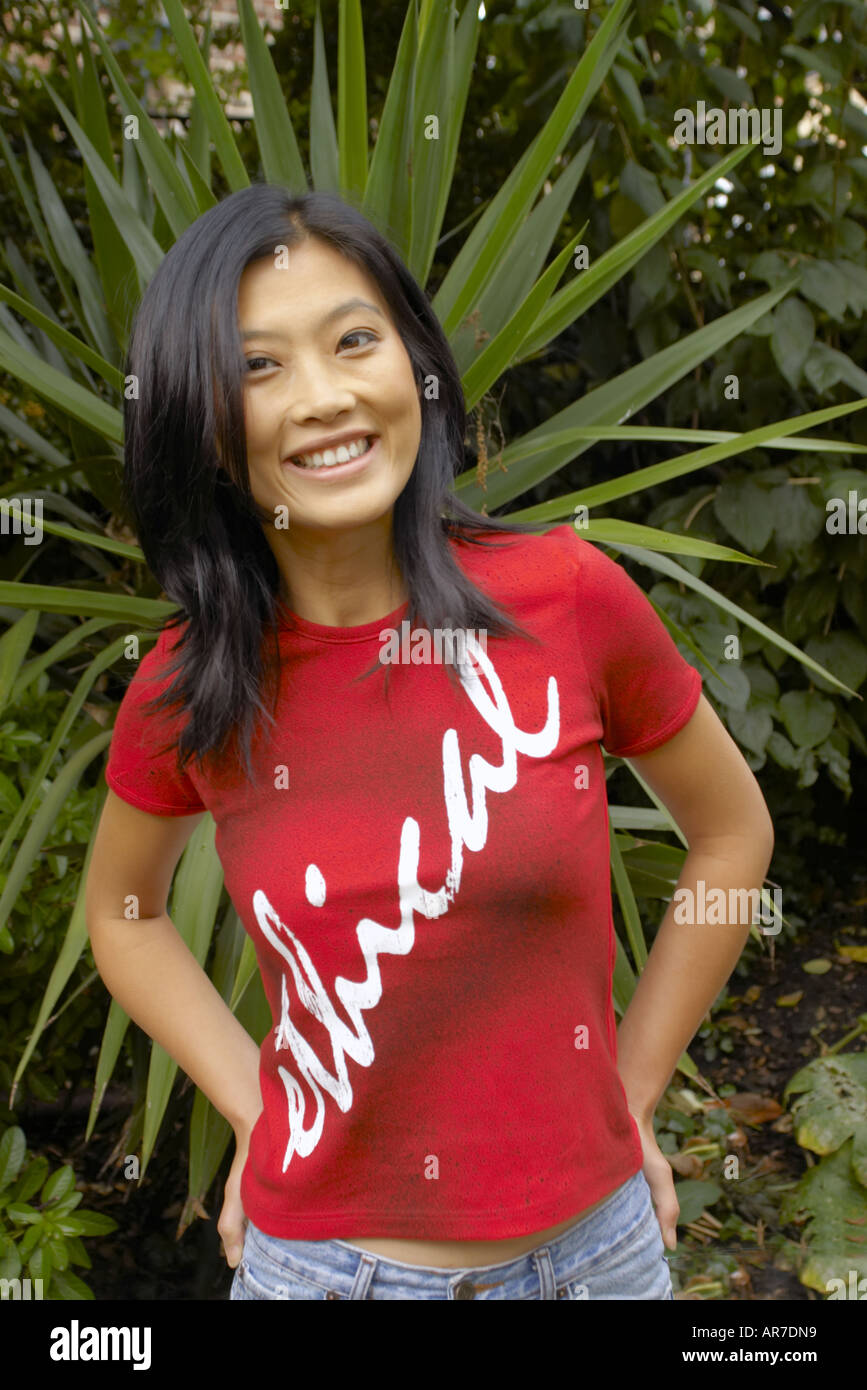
(149, 969)
(702, 778)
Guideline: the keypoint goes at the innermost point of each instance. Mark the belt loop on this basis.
(363, 1275)
(545, 1270)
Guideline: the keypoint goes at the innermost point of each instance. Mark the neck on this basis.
(342, 580)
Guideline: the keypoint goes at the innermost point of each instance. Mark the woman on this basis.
(420, 855)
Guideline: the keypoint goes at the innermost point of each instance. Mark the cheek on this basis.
(258, 425)
(411, 406)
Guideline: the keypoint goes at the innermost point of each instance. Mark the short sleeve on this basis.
(141, 768)
(646, 690)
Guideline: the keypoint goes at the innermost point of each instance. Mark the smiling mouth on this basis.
(335, 458)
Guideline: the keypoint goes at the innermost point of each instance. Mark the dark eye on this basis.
(360, 333)
(357, 333)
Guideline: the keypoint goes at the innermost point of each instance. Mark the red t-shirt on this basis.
(425, 878)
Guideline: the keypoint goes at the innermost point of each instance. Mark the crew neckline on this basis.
(290, 621)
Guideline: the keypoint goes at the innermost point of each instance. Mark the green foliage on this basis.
(779, 517)
(830, 1119)
(694, 1133)
(31, 938)
(695, 1196)
(41, 1222)
(832, 1107)
(692, 263)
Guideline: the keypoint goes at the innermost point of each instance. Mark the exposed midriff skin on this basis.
(461, 1254)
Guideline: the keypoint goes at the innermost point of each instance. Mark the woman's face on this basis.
(318, 367)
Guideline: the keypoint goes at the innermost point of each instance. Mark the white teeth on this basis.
(342, 454)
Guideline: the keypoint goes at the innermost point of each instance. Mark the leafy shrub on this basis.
(830, 1118)
(31, 939)
(43, 1236)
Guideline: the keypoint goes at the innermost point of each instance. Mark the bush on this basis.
(45, 1238)
(32, 938)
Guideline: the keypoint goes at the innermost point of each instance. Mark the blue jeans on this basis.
(615, 1252)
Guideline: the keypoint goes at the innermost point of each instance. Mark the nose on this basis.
(317, 393)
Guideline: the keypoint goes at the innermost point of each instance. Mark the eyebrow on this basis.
(336, 313)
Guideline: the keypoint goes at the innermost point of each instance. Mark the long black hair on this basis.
(198, 525)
